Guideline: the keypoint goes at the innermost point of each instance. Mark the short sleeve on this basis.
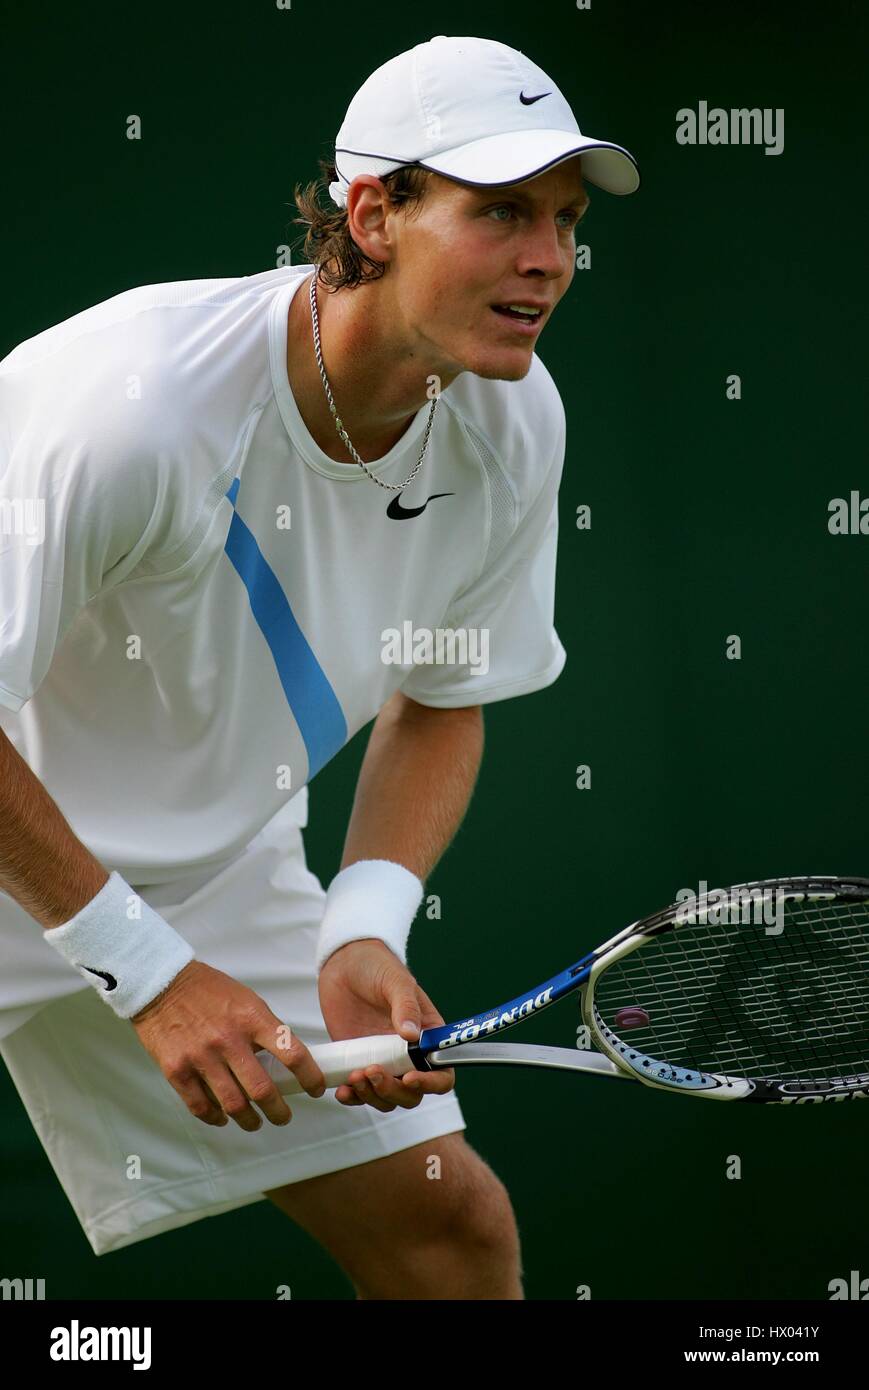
(510, 607)
(78, 511)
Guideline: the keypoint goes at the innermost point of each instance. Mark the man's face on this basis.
(466, 254)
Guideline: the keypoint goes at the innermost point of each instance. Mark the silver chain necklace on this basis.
(392, 487)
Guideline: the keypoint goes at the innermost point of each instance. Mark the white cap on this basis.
(473, 110)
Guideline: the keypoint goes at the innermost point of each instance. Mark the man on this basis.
(248, 487)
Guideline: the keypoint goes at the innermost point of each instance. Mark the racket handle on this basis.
(337, 1059)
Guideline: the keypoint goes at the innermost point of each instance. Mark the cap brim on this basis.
(517, 156)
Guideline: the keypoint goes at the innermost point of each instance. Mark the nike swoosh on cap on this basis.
(529, 101)
(396, 512)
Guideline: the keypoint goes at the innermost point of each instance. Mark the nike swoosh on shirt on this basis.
(396, 512)
(529, 101)
(111, 982)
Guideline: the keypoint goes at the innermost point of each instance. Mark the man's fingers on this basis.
(375, 1087)
(292, 1053)
(198, 1098)
(226, 1085)
(234, 1080)
(347, 1096)
(231, 1097)
(380, 1095)
(260, 1089)
(432, 1083)
(213, 1102)
(431, 1017)
(404, 1011)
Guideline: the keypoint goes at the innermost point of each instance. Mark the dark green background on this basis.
(709, 518)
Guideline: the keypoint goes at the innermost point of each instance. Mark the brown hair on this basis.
(327, 241)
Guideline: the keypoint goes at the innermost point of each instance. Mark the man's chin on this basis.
(507, 366)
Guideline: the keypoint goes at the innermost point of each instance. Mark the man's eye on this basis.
(572, 218)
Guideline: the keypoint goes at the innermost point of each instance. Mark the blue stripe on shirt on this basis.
(311, 698)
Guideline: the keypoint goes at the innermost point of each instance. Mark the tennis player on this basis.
(242, 518)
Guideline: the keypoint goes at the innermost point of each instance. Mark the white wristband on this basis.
(372, 897)
(129, 961)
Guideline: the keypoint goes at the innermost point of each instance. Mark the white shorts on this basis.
(129, 1155)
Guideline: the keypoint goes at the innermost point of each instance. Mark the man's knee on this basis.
(452, 1188)
(459, 1241)
(477, 1211)
(431, 1221)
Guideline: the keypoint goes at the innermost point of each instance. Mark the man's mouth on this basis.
(521, 313)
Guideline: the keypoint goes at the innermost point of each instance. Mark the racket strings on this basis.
(749, 1000)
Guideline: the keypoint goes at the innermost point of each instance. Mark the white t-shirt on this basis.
(196, 601)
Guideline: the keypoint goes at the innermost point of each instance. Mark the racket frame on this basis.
(436, 1045)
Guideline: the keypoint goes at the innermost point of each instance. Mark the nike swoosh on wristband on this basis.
(396, 512)
(529, 101)
(111, 982)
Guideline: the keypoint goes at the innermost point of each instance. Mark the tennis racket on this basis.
(759, 992)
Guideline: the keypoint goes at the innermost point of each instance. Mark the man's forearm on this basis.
(44, 867)
(416, 781)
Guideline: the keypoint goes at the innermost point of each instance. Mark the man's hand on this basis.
(203, 1032)
(365, 990)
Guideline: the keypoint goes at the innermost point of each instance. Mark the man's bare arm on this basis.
(203, 1030)
(415, 783)
(43, 864)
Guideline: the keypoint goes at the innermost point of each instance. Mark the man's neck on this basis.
(377, 390)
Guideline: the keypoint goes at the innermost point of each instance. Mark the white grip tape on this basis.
(336, 1060)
